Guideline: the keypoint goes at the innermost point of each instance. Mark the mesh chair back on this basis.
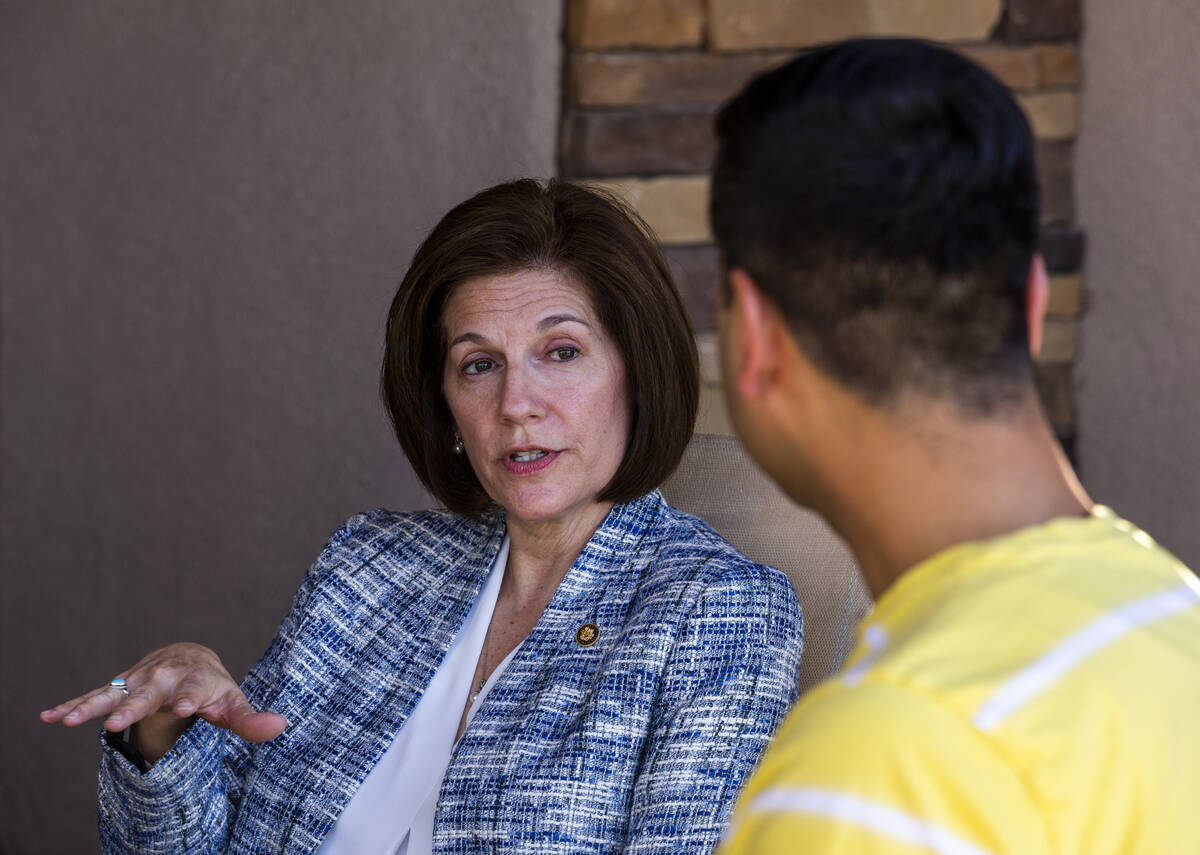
(719, 483)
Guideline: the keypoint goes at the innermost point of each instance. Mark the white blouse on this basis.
(392, 812)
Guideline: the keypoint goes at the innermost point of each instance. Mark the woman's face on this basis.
(537, 390)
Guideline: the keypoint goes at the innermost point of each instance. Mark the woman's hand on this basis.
(167, 689)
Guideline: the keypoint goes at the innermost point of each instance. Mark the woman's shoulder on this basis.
(694, 577)
(691, 553)
(687, 538)
(380, 530)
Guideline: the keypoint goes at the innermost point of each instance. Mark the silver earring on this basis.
(458, 445)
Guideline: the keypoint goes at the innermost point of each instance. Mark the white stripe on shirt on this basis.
(873, 816)
(876, 639)
(1040, 675)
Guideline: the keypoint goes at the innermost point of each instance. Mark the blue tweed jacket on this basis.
(638, 743)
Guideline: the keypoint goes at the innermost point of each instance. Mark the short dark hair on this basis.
(883, 193)
(597, 243)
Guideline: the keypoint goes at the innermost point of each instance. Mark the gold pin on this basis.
(587, 634)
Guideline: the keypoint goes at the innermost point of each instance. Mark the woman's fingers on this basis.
(58, 713)
(179, 677)
(260, 726)
(141, 701)
(235, 713)
(84, 708)
(193, 692)
(185, 679)
(119, 710)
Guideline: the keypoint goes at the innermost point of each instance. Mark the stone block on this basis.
(694, 269)
(1066, 296)
(606, 24)
(1054, 388)
(1052, 114)
(1016, 68)
(676, 208)
(1056, 165)
(711, 415)
(943, 20)
(755, 24)
(628, 79)
(1058, 65)
(1062, 247)
(1058, 342)
(1067, 439)
(602, 143)
(752, 24)
(710, 359)
(1042, 20)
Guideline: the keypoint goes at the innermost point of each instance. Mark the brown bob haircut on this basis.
(598, 244)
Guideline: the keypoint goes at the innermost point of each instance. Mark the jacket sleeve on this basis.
(187, 802)
(730, 682)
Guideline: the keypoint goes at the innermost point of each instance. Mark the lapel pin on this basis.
(587, 634)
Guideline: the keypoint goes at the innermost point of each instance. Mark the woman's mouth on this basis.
(526, 456)
(528, 461)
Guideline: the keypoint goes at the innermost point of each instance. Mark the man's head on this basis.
(882, 195)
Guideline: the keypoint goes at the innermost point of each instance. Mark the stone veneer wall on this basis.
(644, 78)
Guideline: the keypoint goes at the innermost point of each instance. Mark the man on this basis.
(1029, 681)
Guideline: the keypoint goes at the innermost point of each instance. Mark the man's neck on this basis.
(924, 478)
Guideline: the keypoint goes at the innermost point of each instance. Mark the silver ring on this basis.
(119, 683)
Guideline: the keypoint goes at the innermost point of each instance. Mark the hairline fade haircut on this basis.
(598, 244)
(883, 193)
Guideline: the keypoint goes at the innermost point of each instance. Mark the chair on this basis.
(718, 482)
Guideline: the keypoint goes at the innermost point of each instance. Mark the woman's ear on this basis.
(1037, 295)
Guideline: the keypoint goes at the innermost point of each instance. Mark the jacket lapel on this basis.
(410, 601)
(547, 680)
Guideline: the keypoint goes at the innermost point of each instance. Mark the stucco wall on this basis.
(1139, 201)
(206, 207)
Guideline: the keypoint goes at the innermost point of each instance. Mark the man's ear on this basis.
(754, 335)
(1037, 294)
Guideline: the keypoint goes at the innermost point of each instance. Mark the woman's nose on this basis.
(520, 399)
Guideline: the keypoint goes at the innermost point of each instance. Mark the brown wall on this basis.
(205, 209)
(1139, 199)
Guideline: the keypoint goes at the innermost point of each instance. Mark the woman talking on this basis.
(558, 662)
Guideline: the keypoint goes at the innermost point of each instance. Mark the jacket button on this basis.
(587, 634)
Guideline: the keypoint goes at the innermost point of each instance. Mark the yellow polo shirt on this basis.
(1037, 693)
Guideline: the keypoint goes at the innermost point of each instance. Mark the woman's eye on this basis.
(478, 366)
(564, 354)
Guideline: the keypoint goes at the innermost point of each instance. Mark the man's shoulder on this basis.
(841, 719)
(871, 766)
(1032, 609)
(986, 699)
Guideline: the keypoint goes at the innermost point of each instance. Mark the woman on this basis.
(560, 662)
